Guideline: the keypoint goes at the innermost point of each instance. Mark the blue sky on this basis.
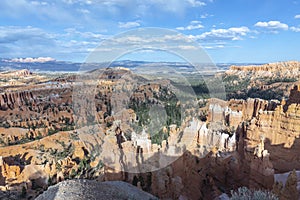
(229, 31)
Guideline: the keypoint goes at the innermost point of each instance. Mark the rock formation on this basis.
(89, 189)
(289, 69)
(267, 81)
(241, 143)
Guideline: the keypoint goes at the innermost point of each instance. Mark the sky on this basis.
(231, 31)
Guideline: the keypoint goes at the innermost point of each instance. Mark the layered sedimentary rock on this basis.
(283, 69)
(235, 111)
(281, 130)
(267, 81)
(16, 74)
(15, 99)
(294, 97)
(242, 142)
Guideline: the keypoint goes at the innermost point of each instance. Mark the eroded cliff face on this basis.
(34, 114)
(15, 99)
(283, 69)
(242, 142)
(267, 81)
(267, 135)
(278, 124)
(281, 129)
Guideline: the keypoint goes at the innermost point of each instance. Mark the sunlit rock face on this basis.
(283, 69)
(280, 128)
(242, 143)
(231, 143)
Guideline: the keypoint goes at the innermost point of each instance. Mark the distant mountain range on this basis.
(62, 66)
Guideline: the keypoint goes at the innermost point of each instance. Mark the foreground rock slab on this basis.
(90, 189)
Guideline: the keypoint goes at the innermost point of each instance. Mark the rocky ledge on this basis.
(91, 189)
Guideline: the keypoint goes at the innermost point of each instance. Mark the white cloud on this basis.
(129, 40)
(295, 29)
(32, 60)
(16, 41)
(140, 7)
(129, 24)
(193, 25)
(88, 2)
(192, 3)
(84, 11)
(190, 27)
(204, 16)
(272, 25)
(49, 10)
(147, 51)
(187, 47)
(15, 34)
(71, 32)
(195, 3)
(26, 41)
(173, 39)
(39, 3)
(214, 47)
(234, 33)
(95, 13)
(297, 16)
(195, 22)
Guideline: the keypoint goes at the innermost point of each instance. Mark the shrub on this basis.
(244, 193)
(24, 192)
(73, 173)
(52, 131)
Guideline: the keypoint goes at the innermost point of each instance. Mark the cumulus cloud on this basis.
(272, 25)
(204, 16)
(84, 11)
(15, 34)
(187, 47)
(295, 29)
(167, 40)
(140, 7)
(193, 25)
(88, 2)
(214, 47)
(195, 3)
(16, 41)
(39, 3)
(129, 24)
(26, 42)
(92, 13)
(39, 9)
(234, 33)
(297, 16)
(72, 32)
(32, 60)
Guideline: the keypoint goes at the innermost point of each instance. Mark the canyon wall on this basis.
(242, 142)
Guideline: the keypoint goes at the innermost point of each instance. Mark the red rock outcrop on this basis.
(263, 133)
(294, 95)
(15, 99)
